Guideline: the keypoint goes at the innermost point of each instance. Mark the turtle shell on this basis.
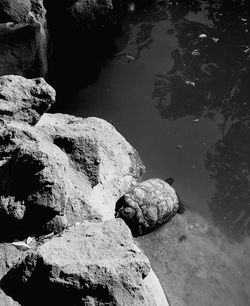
(147, 205)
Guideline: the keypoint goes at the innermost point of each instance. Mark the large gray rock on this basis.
(24, 100)
(60, 171)
(103, 165)
(23, 38)
(98, 265)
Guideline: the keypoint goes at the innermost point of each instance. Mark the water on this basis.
(178, 89)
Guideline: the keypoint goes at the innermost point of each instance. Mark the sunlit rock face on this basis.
(62, 170)
(23, 38)
(98, 263)
(24, 100)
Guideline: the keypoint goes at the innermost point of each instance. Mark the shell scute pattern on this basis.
(149, 203)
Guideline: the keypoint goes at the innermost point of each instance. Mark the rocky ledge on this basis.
(60, 179)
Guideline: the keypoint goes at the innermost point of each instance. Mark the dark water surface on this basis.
(178, 89)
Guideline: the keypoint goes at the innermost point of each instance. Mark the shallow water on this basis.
(178, 89)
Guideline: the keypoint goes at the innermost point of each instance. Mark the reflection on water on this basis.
(210, 76)
(180, 79)
(178, 89)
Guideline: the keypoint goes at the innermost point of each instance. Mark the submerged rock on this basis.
(147, 205)
(98, 264)
(87, 15)
(23, 38)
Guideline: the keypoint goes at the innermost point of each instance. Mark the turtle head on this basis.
(169, 180)
(127, 212)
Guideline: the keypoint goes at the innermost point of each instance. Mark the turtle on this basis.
(148, 204)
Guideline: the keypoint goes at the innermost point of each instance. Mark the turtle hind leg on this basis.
(181, 208)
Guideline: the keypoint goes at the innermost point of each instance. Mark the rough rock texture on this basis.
(14, 10)
(147, 205)
(9, 255)
(54, 172)
(62, 170)
(24, 100)
(7, 300)
(84, 15)
(23, 38)
(98, 265)
(102, 165)
(90, 14)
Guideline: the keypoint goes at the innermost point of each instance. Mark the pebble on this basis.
(203, 36)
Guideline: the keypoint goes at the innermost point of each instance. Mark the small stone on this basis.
(203, 36)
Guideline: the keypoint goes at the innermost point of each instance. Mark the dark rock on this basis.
(147, 205)
(23, 38)
(56, 225)
(98, 265)
(83, 15)
(88, 15)
(14, 11)
(24, 100)
(85, 36)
